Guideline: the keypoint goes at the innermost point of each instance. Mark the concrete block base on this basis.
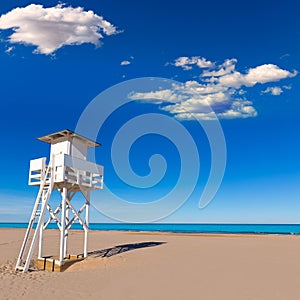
(53, 264)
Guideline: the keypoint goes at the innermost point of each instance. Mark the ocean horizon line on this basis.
(222, 228)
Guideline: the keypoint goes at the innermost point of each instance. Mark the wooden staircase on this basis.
(37, 217)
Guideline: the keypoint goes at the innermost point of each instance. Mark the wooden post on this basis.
(40, 253)
(66, 230)
(64, 195)
(87, 220)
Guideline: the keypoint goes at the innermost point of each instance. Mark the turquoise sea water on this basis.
(184, 228)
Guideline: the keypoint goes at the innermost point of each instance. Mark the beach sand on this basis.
(140, 266)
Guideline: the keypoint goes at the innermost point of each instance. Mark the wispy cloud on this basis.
(227, 67)
(15, 208)
(9, 49)
(52, 28)
(186, 63)
(275, 90)
(285, 56)
(220, 90)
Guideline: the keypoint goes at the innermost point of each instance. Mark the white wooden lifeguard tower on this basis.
(69, 172)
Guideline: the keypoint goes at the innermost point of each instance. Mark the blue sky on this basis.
(239, 58)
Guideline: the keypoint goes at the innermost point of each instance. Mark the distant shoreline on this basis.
(169, 233)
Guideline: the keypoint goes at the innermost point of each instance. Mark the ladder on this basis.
(37, 216)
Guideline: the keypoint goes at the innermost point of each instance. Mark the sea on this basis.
(289, 229)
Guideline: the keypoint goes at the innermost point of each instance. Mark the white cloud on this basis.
(266, 73)
(52, 28)
(261, 74)
(158, 97)
(226, 74)
(187, 62)
(194, 87)
(275, 91)
(203, 101)
(219, 92)
(125, 63)
(225, 68)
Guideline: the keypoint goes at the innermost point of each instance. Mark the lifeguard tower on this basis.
(69, 172)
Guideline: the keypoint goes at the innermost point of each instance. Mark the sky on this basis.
(195, 104)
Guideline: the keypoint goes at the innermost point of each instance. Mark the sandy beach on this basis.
(124, 265)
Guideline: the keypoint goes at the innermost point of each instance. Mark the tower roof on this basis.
(65, 135)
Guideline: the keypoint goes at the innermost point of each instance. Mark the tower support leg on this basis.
(87, 220)
(41, 233)
(66, 230)
(40, 253)
(64, 195)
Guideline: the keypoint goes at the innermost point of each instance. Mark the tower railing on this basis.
(68, 169)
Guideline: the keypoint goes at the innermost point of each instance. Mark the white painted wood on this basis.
(87, 220)
(38, 164)
(66, 229)
(64, 195)
(62, 147)
(40, 204)
(40, 252)
(77, 216)
(69, 172)
(73, 170)
(37, 169)
(53, 216)
(78, 148)
(80, 164)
